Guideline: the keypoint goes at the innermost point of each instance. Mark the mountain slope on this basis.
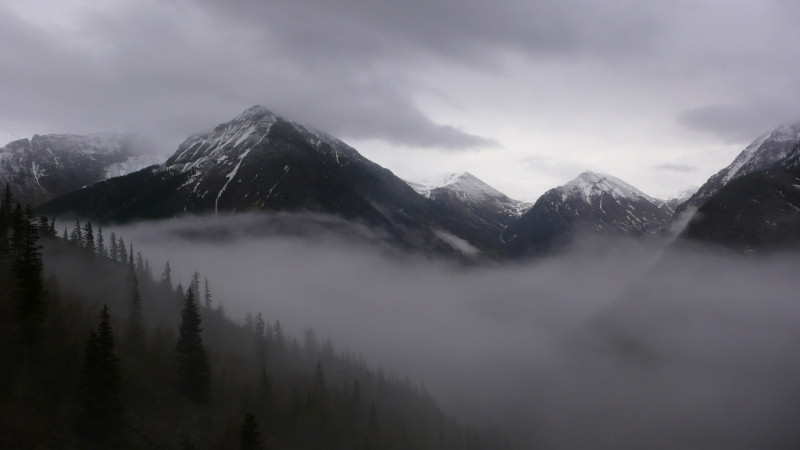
(757, 211)
(767, 151)
(44, 167)
(472, 209)
(591, 203)
(260, 161)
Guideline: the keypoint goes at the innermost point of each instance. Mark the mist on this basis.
(637, 348)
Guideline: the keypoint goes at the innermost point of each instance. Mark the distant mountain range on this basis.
(473, 209)
(45, 167)
(591, 203)
(259, 161)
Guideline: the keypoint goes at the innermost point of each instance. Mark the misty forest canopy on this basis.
(615, 318)
(97, 352)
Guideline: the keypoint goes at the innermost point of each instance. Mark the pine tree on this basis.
(64, 236)
(26, 268)
(100, 382)
(250, 436)
(88, 237)
(113, 250)
(7, 202)
(5, 223)
(76, 237)
(195, 284)
(193, 369)
(260, 341)
(166, 275)
(139, 262)
(207, 295)
(134, 326)
(130, 258)
(100, 245)
(122, 253)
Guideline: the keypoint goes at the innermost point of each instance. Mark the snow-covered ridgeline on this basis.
(589, 185)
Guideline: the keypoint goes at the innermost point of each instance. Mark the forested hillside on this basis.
(96, 353)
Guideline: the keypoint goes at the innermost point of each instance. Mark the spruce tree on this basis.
(5, 223)
(208, 300)
(76, 236)
(88, 236)
(139, 262)
(134, 326)
(193, 368)
(122, 253)
(195, 285)
(100, 245)
(113, 251)
(100, 382)
(250, 436)
(166, 276)
(26, 268)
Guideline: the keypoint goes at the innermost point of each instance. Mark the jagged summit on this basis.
(46, 166)
(763, 153)
(256, 128)
(591, 204)
(767, 151)
(463, 184)
(255, 111)
(590, 185)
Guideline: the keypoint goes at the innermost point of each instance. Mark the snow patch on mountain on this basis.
(590, 185)
(759, 155)
(132, 164)
(470, 189)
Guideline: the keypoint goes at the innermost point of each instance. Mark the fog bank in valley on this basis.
(637, 348)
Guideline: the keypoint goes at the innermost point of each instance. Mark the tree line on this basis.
(97, 353)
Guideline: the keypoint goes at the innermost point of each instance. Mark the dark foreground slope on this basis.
(302, 396)
(759, 211)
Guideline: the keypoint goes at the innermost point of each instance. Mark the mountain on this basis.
(679, 198)
(591, 203)
(260, 161)
(767, 151)
(756, 211)
(44, 167)
(472, 209)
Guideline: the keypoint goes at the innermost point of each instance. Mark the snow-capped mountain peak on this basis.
(589, 185)
(46, 166)
(683, 195)
(229, 143)
(766, 151)
(470, 187)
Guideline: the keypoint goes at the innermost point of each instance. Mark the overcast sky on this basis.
(523, 94)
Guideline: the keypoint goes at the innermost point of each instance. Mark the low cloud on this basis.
(628, 349)
(671, 167)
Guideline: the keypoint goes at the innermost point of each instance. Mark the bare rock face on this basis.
(45, 167)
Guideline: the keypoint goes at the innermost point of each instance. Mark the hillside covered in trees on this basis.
(96, 352)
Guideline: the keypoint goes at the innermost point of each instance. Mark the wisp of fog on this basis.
(625, 349)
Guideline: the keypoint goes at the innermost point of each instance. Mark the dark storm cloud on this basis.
(364, 69)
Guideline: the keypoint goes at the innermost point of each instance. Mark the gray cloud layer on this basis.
(586, 350)
(358, 69)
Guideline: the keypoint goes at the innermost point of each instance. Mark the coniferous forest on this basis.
(97, 351)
